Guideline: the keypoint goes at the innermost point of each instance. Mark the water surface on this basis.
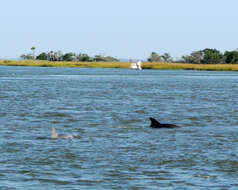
(108, 110)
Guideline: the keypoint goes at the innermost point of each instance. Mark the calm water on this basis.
(108, 111)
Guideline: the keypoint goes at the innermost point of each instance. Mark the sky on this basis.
(129, 29)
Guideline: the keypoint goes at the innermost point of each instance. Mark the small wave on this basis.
(55, 114)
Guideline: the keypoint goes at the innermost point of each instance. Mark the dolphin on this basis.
(156, 124)
(54, 135)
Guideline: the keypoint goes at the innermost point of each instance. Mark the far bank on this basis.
(124, 65)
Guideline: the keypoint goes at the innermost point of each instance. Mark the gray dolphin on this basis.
(54, 135)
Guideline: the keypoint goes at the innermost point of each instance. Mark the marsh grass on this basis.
(183, 66)
(66, 64)
(124, 65)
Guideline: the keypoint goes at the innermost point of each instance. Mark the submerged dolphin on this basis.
(156, 124)
(60, 136)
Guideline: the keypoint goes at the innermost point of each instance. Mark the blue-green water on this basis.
(108, 111)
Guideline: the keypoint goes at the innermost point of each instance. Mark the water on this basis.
(108, 111)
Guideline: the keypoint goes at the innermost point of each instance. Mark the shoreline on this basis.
(123, 65)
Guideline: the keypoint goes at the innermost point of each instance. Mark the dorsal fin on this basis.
(154, 122)
(54, 134)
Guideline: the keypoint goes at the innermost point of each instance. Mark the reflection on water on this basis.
(108, 109)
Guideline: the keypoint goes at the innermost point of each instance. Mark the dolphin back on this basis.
(154, 122)
(54, 135)
(65, 136)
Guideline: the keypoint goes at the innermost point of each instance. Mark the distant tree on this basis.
(29, 56)
(197, 56)
(187, 59)
(206, 56)
(33, 52)
(68, 57)
(98, 58)
(194, 57)
(154, 57)
(83, 57)
(166, 57)
(231, 57)
(23, 56)
(57, 56)
(42, 56)
(110, 59)
(211, 56)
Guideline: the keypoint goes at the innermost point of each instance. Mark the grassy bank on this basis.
(146, 65)
(186, 66)
(66, 64)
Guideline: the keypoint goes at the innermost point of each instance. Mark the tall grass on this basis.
(145, 65)
(66, 64)
(186, 66)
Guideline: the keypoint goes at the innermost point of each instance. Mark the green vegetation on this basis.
(70, 56)
(206, 56)
(231, 57)
(154, 57)
(207, 59)
(211, 56)
(145, 65)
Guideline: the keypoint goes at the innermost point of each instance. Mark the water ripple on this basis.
(108, 111)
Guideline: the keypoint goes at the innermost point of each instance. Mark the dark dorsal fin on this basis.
(154, 122)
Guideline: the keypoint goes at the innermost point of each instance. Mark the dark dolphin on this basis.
(156, 124)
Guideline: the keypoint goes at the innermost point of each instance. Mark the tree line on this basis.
(205, 56)
(59, 56)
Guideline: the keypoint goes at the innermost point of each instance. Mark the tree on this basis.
(83, 57)
(98, 58)
(110, 59)
(33, 52)
(206, 56)
(68, 57)
(188, 59)
(166, 57)
(197, 56)
(211, 56)
(23, 56)
(154, 57)
(231, 57)
(101, 58)
(29, 56)
(42, 56)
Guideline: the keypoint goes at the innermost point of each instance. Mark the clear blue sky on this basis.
(122, 28)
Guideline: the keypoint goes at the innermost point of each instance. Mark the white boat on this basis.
(136, 65)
